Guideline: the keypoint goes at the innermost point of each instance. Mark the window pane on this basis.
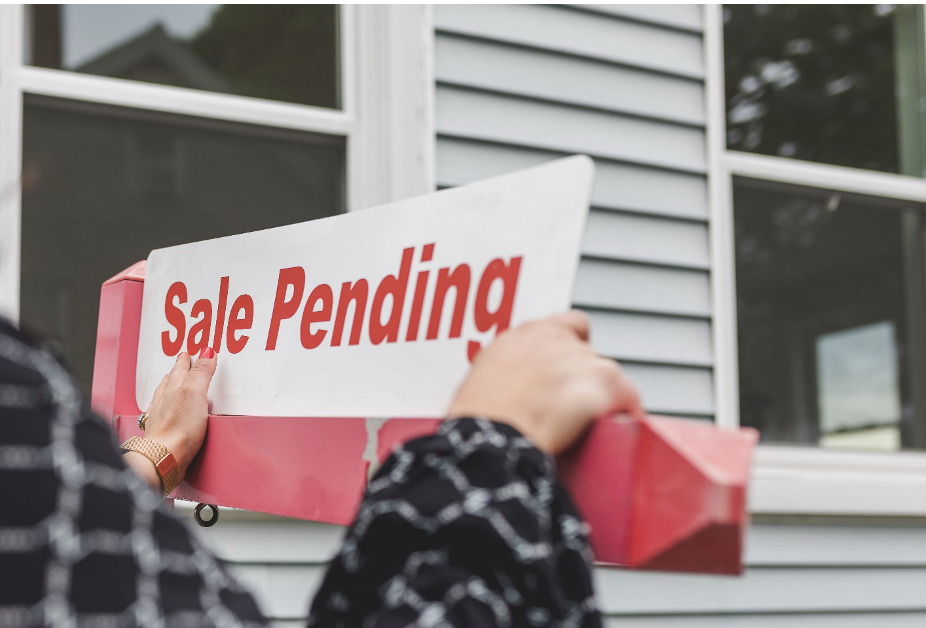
(102, 186)
(858, 387)
(830, 299)
(280, 52)
(818, 82)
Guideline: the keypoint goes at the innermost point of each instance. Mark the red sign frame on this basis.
(663, 494)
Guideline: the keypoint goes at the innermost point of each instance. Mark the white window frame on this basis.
(789, 479)
(387, 114)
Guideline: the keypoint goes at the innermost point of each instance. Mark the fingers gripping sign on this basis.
(574, 320)
(544, 379)
(178, 413)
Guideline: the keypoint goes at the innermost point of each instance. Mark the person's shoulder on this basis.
(16, 346)
(9, 330)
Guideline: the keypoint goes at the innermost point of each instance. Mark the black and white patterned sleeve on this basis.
(83, 541)
(468, 527)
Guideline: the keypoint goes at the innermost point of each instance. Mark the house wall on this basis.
(520, 85)
(800, 574)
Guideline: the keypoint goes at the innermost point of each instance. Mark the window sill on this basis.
(809, 481)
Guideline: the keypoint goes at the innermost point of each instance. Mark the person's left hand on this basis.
(179, 410)
(545, 380)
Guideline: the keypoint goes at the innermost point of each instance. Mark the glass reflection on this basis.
(103, 186)
(858, 390)
(278, 52)
(817, 82)
(830, 311)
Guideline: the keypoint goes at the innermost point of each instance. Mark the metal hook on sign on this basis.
(209, 522)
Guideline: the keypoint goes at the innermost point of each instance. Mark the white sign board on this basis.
(375, 313)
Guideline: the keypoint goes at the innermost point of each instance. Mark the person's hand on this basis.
(544, 379)
(179, 410)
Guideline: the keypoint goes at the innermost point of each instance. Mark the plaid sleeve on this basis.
(468, 527)
(83, 541)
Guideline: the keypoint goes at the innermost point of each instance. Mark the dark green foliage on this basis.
(282, 52)
(813, 82)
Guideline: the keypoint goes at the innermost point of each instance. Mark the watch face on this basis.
(166, 464)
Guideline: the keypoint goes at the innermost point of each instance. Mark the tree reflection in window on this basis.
(285, 52)
(813, 82)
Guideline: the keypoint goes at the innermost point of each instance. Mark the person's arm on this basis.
(92, 544)
(144, 468)
(470, 527)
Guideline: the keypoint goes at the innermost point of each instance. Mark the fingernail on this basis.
(207, 353)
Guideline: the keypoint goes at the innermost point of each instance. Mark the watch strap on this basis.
(164, 461)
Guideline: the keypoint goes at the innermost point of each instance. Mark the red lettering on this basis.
(501, 317)
(175, 318)
(459, 280)
(417, 304)
(427, 252)
(322, 292)
(323, 314)
(282, 308)
(395, 286)
(356, 292)
(472, 349)
(220, 315)
(199, 333)
(240, 319)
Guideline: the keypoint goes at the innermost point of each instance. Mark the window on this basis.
(103, 186)
(817, 152)
(286, 52)
(821, 116)
(829, 311)
(130, 127)
(816, 82)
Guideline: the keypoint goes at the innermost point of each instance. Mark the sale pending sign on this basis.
(376, 313)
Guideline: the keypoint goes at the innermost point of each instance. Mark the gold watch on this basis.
(163, 460)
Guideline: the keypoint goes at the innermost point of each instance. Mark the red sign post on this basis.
(662, 494)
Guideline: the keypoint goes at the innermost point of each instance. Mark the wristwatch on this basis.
(163, 460)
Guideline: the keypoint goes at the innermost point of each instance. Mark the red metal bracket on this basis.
(663, 494)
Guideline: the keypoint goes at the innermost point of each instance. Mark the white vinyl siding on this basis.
(520, 85)
(799, 575)
(618, 186)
